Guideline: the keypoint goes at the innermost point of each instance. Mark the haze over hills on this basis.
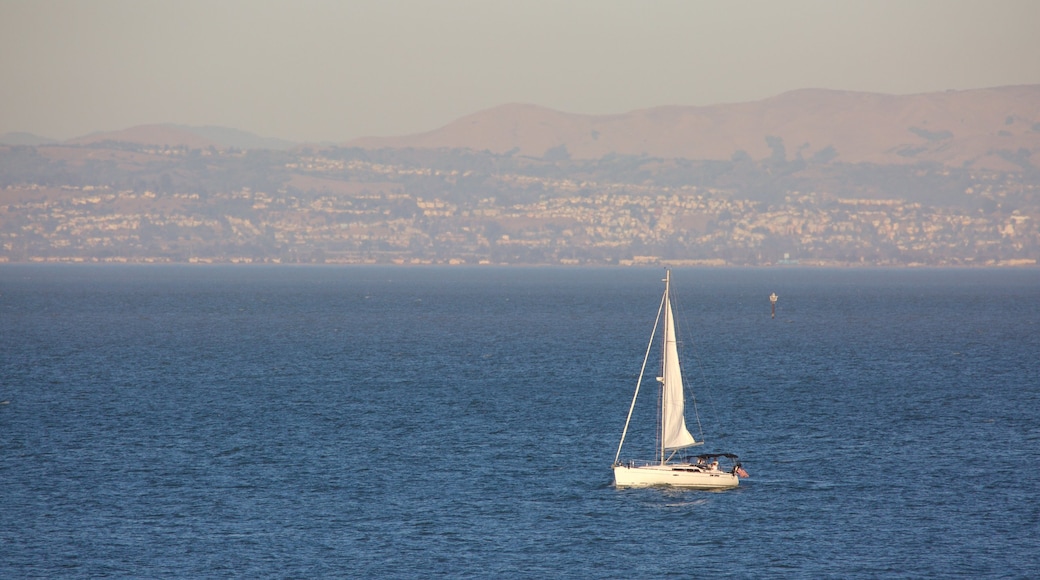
(811, 177)
(994, 129)
(23, 138)
(163, 135)
(984, 128)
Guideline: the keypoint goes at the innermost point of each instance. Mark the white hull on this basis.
(673, 475)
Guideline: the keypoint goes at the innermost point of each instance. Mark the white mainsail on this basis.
(674, 434)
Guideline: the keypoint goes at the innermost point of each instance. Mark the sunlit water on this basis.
(380, 422)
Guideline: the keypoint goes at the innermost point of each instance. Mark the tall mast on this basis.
(664, 343)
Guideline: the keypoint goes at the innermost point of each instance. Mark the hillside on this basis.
(21, 138)
(995, 129)
(184, 136)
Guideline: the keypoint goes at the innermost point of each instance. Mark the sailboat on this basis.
(673, 466)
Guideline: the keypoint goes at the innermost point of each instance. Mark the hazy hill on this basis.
(228, 138)
(22, 138)
(996, 128)
(185, 136)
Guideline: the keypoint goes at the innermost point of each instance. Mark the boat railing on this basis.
(644, 463)
(683, 465)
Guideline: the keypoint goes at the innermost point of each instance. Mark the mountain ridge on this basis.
(171, 134)
(995, 128)
(981, 128)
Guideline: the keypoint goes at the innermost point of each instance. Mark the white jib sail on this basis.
(674, 434)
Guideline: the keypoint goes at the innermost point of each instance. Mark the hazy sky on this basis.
(335, 70)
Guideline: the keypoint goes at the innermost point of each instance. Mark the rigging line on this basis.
(706, 387)
(708, 392)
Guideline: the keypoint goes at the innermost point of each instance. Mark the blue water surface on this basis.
(168, 421)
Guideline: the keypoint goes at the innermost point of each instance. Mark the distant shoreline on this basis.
(1014, 265)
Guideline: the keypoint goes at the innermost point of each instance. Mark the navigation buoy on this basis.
(772, 304)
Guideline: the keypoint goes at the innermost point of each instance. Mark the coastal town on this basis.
(329, 209)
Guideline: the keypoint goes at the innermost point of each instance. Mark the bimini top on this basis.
(714, 455)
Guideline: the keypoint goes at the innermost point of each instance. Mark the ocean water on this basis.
(434, 422)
